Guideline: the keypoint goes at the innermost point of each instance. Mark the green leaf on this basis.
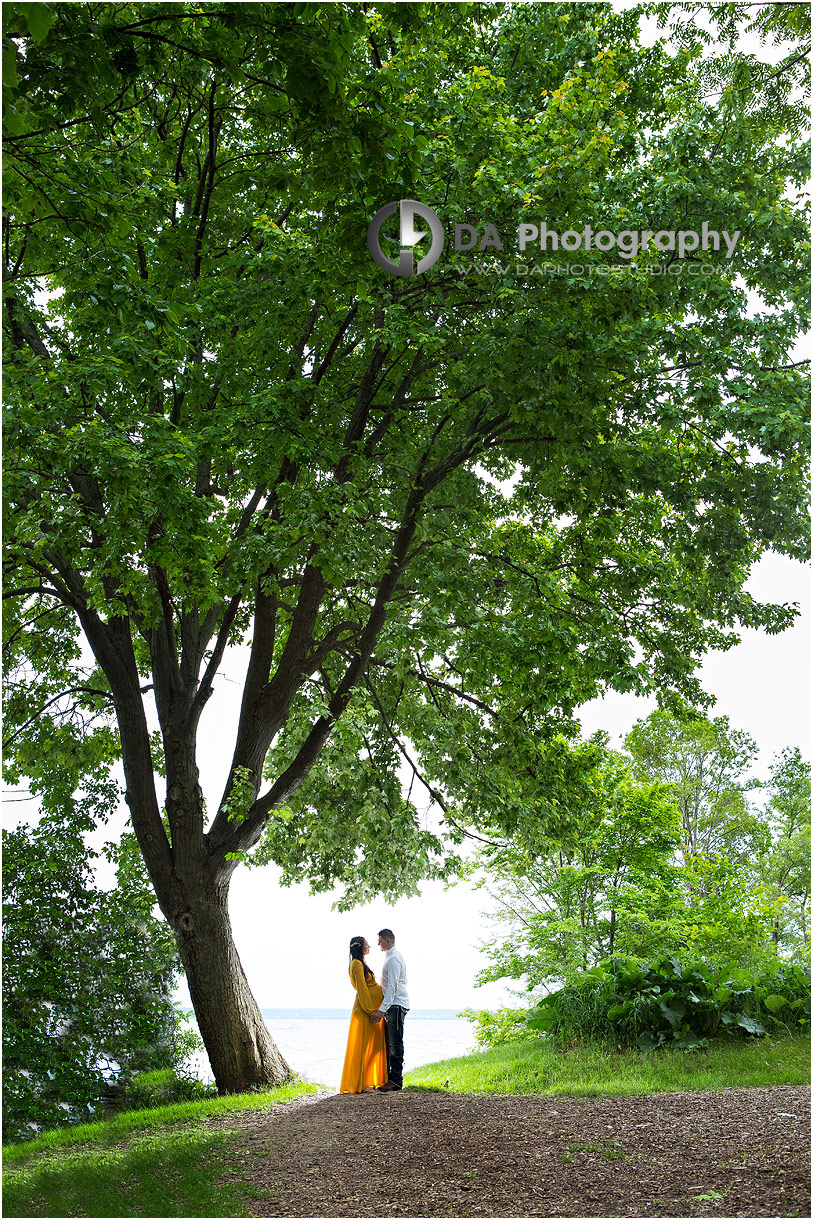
(10, 76)
(674, 1012)
(39, 19)
(750, 1024)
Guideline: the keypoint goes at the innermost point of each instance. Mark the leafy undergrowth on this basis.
(537, 1066)
(159, 1162)
(677, 1001)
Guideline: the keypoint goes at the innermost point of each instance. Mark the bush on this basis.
(648, 1004)
(87, 980)
(496, 1028)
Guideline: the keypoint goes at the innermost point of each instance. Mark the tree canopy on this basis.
(705, 764)
(444, 510)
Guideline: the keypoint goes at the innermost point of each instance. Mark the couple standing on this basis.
(374, 1061)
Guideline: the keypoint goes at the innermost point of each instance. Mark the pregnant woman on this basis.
(365, 1062)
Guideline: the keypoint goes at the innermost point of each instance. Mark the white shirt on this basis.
(394, 980)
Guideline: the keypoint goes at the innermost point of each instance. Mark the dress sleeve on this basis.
(360, 984)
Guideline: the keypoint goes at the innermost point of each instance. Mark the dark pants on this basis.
(395, 1043)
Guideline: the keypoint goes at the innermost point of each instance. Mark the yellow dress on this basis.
(365, 1061)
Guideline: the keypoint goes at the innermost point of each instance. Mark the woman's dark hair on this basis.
(357, 955)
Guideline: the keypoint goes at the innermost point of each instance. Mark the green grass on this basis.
(611, 1151)
(111, 1131)
(158, 1162)
(161, 1173)
(591, 1070)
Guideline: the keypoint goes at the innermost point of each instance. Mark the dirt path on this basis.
(740, 1152)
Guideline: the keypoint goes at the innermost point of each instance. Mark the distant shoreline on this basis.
(338, 1014)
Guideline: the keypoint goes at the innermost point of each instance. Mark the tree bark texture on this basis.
(241, 1051)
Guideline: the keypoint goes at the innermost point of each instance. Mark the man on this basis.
(394, 1008)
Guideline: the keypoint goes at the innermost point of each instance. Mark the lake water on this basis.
(314, 1047)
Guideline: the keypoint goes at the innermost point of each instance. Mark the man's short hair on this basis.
(388, 934)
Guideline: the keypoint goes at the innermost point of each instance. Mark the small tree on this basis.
(705, 764)
(785, 867)
(601, 883)
(614, 874)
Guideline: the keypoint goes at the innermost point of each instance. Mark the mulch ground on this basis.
(739, 1152)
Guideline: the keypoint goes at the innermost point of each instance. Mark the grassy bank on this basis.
(159, 1162)
(593, 1070)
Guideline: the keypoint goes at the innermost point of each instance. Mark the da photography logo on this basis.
(410, 236)
(688, 245)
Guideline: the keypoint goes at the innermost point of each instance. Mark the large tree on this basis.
(444, 510)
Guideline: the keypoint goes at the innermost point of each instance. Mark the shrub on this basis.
(497, 1028)
(648, 1004)
(87, 980)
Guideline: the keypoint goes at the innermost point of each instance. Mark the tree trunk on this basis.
(241, 1051)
